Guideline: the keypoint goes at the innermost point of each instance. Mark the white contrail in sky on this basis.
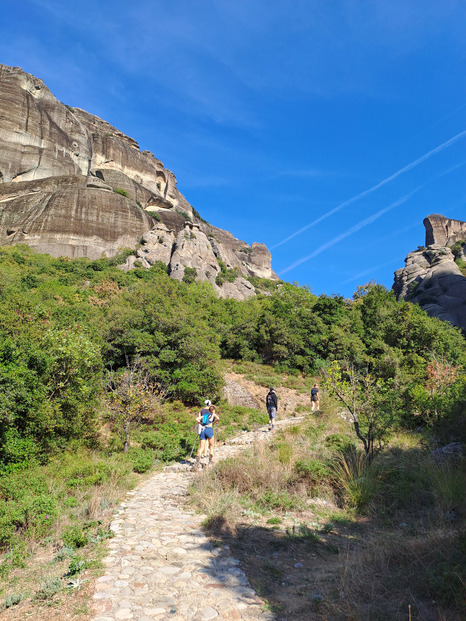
(350, 231)
(371, 270)
(421, 159)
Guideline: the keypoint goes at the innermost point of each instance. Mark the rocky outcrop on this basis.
(72, 184)
(444, 231)
(236, 394)
(432, 278)
(191, 254)
(41, 137)
(192, 250)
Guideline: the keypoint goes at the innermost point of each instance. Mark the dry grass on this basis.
(394, 570)
(263, 480)
(380, 536)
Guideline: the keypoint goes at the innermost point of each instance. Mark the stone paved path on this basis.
(162, 566)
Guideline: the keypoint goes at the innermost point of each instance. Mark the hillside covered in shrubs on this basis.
(101, 372)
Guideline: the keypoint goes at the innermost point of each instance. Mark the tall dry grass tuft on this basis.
(448, 486)
(392, 572)
(257, 471)
(356, 479)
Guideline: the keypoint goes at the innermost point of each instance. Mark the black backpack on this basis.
(270, 401)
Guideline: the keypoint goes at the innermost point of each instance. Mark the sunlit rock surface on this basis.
(72, 184)
(431, 277)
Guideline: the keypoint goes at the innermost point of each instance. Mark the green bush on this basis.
(340, 443)
(457, 248)
(13, 600)
(121, 257)
(71, 502)
(190, 275)
(48, 588)
(462, 266)
(122, 192)
(226, 274)
(313, 469)
(17, 452)
(284, 450)
(85, 472)
(185, 215)
(303, 533)
(280, 500)
(274, 520)
(155, 215)
(197, 215)
(142, 460)
(167, 443)
(76, 566)
(27, 507)
(75, 537)
(10, 519)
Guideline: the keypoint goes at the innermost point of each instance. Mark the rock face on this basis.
(431, 277)
(64, 216)
(444, 231)
(73, 185)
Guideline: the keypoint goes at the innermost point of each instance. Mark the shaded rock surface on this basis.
(454, 450)
(431, 277)
(444, 231)
(72, 184)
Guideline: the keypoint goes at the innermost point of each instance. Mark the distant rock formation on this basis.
(444, 231)
(72, 184)
(432, 277)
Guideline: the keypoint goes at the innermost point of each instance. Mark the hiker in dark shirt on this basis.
(271, 403)
(315, 398)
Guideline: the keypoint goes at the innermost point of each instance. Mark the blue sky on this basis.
(326, 129)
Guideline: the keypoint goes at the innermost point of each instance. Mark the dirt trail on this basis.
(288, 399)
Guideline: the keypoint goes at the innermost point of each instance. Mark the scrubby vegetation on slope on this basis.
(111, 366)
(325, 533)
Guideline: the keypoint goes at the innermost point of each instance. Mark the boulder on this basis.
(193, 250)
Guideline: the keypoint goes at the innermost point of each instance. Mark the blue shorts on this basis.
(206, 433)
(272, 412)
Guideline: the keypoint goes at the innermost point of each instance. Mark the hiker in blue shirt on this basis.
(206, 419)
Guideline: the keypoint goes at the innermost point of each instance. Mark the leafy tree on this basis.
(132, 398)
(436, 398)
(370, 402)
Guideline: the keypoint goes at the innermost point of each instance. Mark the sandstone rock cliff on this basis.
(59, 169)
(444, 231)
(432, 277)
